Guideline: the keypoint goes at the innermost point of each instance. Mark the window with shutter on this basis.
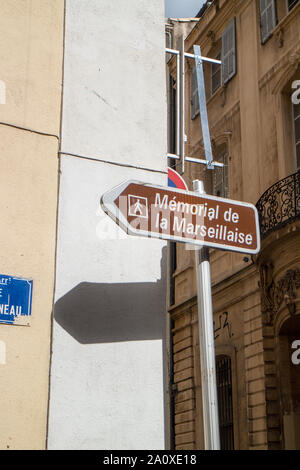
(194, 94)
(229, 52)
(216, 74)
(268, 18)
(291, 4)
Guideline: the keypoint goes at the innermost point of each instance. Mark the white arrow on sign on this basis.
(174, 214)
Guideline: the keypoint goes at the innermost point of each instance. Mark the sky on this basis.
(182, 8)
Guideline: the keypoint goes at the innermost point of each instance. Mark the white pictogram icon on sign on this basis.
(138, 206)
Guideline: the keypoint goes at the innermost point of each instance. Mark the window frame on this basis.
(230, 25)
(193, 83)
(275, 20)
(295, 143)
(194, 92)
(221, 157)
(287, 5)
(219, 70)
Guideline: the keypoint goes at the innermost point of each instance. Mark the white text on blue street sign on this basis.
(15, 300)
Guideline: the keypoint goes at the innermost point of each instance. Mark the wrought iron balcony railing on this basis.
(280, 204)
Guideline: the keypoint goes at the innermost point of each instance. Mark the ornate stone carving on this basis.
(223, 95)
(211, 35)
(280, 38)
(266, 286)
(294, 58)
(285, 289)
(274, 294)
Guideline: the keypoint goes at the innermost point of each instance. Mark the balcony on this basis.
(279, 204)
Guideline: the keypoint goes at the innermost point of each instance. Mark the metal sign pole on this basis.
(206, 345)
(182, 105)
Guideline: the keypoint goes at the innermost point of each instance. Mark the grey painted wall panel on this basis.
(114, 83)
(106, 384)
(107, 362)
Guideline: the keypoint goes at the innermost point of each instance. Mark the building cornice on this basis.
(219, 289)
(286, 20)
(214, 19)
(183, 269)
(291, 58)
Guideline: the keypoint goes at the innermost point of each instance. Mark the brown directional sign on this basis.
(173, 214)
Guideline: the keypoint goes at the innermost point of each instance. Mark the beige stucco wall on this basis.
(31, 51)
(31, 62)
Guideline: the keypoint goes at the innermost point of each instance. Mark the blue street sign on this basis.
(15, 300)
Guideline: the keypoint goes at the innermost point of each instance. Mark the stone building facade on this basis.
(253, 112)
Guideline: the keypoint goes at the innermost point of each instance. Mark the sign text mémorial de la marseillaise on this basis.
(172, 214)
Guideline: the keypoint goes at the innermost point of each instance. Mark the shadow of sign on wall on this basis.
(105, 313)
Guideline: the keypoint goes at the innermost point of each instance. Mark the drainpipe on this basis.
(172, 261)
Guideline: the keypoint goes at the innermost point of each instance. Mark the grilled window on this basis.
(268, 18)
(224, 388)
(291, 4)
(296, 119)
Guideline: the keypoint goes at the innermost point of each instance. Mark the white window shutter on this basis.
(229, 52)
(267, 18)
(216, 75)
(194, 93)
